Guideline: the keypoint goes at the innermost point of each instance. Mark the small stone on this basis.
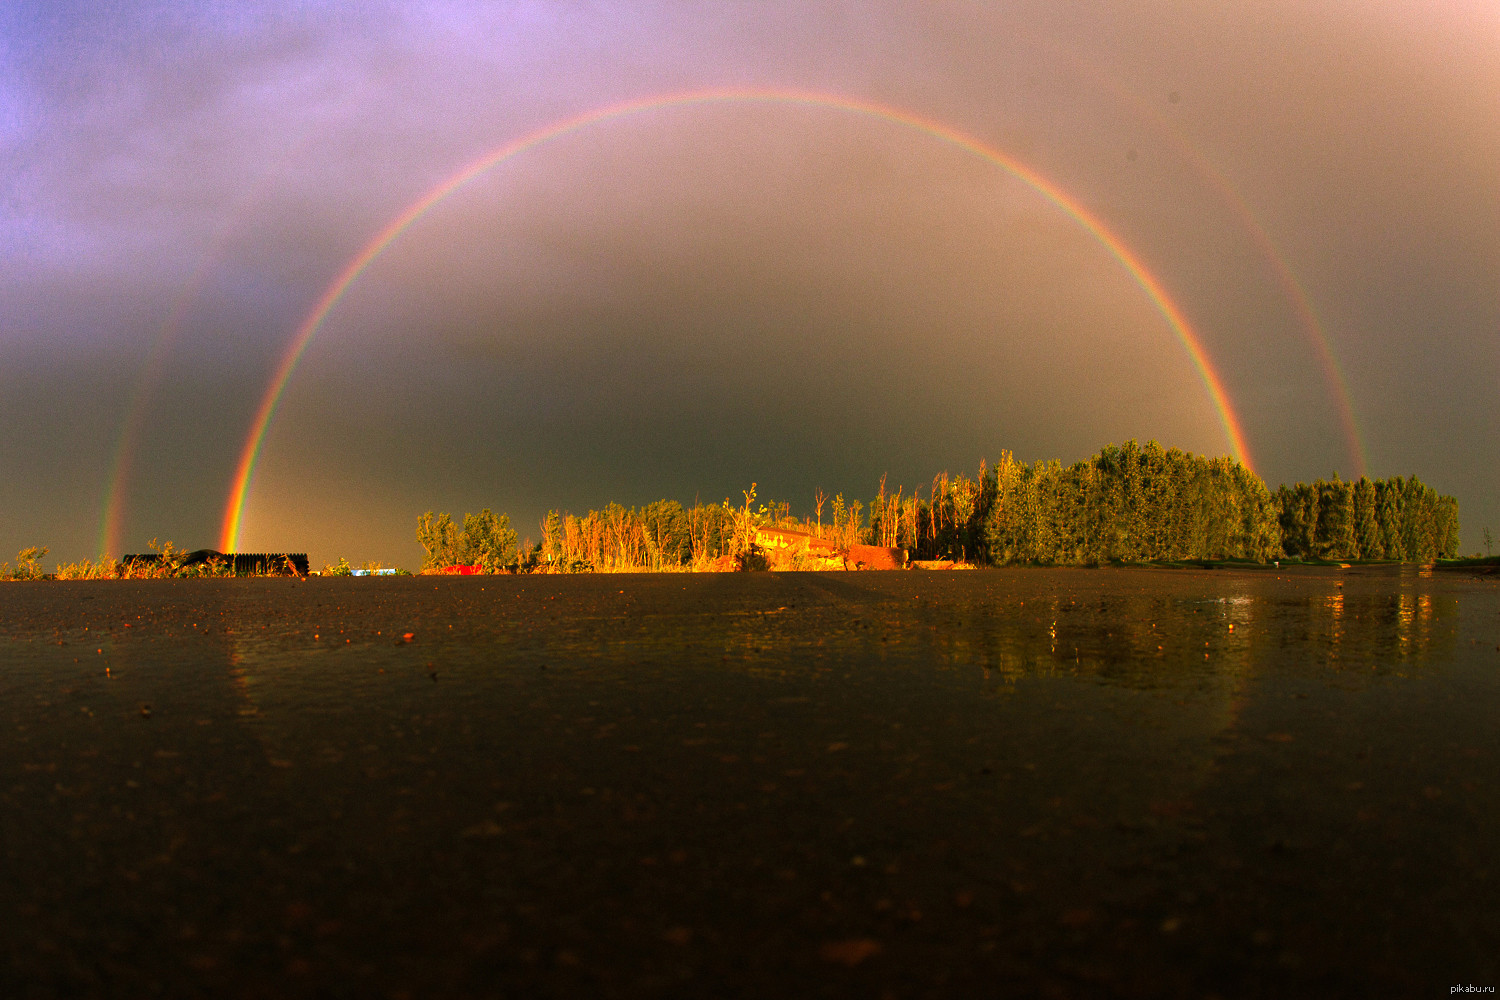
(851, 952)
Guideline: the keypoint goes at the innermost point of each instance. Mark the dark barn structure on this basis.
(242, 563)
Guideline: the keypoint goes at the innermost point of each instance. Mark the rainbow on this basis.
(266, 411)
(1307, 318)
(112, 513)
(1296, 295)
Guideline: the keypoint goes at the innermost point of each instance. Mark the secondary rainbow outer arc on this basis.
(112, 515)
(1291, 287)
(266, 411)
(1333, 372)
(122, 461)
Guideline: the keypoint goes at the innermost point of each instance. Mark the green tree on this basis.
(1445, 527)
(552, 538)
(1262, 538)
(1130, 502)
(438, 537)
(1367, 536)
(488, 541)
(710, 526)
(1389, 497)
(1299, 520)
(1334, 536)
(668, 538)
(1417, 510)
(28, 560)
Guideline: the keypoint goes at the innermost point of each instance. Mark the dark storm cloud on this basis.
(686, 300)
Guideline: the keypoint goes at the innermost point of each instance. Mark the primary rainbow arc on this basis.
(266, 410)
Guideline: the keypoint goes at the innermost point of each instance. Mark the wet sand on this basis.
(1014, 782)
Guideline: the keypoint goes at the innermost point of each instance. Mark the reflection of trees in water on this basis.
(1399, 624)
(1141, 641)
(1188, 640)
(1123, 690)
(1145, 640)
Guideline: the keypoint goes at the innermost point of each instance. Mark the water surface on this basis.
(1010, 782)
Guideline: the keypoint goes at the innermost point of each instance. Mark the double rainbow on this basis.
(266, 411)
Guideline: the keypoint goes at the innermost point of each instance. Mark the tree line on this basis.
(1128, 503)
(1404, 520)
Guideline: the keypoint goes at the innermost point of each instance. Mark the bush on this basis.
(27, 560)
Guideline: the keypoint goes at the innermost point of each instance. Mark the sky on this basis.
(297, 272)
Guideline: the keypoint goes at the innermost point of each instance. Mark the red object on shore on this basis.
(461, 570)
(874, 557)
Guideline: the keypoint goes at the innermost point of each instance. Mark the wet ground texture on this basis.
(1069, 783)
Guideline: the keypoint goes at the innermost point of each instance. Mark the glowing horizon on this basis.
(266, 410)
